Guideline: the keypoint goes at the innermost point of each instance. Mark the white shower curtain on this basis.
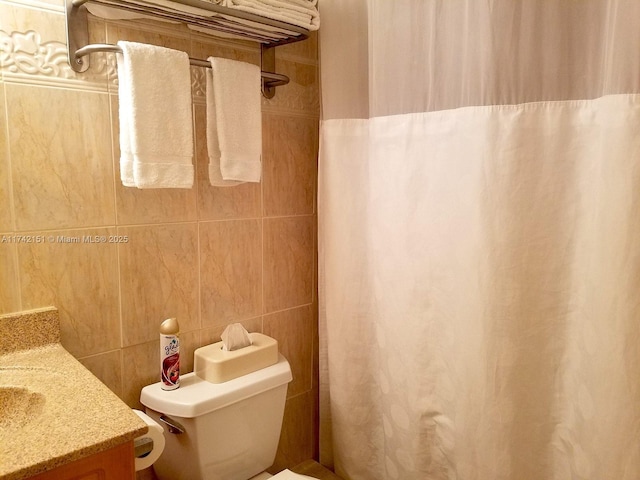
(479, 239)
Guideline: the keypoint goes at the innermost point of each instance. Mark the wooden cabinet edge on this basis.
(117, 463)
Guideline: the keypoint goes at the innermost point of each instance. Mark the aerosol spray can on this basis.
(169, 354)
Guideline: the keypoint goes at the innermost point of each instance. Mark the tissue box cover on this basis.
(215, 365)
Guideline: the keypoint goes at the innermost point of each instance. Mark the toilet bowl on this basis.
(220, 431)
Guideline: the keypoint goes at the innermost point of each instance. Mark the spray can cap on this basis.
(170, 327)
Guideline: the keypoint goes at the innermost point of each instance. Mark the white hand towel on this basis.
(238, 119)
(156, 126)
(213, 146)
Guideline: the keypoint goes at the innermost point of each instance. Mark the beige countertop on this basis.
(52, 409)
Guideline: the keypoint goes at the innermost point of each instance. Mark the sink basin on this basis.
(19, 406)
(53, 410)
(22, 397)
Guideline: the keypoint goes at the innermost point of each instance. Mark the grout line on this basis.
(111, 101)
(122, 373)
(198, 214)
(299, 394)
(155, 224)
(199, 267)
(301, 59)
(103, 226)
(288, 309)
(262, 242)
(276, 110)
(99, 353)
(16, 266)
(41, 81)
(12, 209)
(113, 160)
(119, 283)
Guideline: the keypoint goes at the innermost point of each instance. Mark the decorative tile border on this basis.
(46, 5)
(294, 100)
(25, 58)
(198, 83)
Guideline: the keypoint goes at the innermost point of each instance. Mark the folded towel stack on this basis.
(156, 126)
(105, 11)
(302, 13)
(234, 122)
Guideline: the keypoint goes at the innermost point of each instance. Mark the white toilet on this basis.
(227, 430)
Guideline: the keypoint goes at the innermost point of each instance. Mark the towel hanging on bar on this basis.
(269, 79)
(156, 149)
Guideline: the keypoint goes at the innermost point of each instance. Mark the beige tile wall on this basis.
(210, 256)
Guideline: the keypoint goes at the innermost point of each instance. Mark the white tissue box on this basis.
(215, 365)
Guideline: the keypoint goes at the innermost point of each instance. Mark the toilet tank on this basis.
(231, 429)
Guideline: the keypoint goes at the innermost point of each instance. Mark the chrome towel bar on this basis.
(269, 79)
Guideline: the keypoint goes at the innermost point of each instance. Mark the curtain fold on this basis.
(479, 241)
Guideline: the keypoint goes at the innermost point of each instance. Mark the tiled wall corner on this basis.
(288, 262)
(294, 331)
(296, 439)
(289, 164)
(209, 255)
(300, 96)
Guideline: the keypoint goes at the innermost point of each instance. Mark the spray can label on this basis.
(170, 361)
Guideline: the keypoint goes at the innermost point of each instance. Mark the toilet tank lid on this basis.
(197, 397)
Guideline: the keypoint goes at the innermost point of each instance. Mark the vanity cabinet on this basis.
(78, 429)
(114, 464)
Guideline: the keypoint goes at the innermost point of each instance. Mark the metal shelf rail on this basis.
(204, 15)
